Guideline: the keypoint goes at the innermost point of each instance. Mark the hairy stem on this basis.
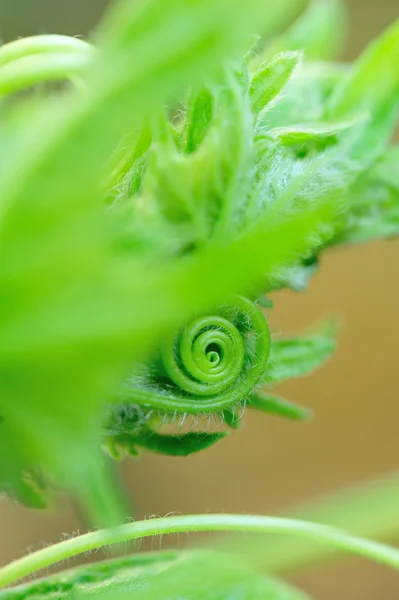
(193, 523)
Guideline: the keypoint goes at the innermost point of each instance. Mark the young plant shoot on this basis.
(158, 183)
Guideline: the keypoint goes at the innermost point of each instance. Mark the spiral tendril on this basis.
(213, 363)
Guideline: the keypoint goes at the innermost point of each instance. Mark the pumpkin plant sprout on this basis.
(158, 183)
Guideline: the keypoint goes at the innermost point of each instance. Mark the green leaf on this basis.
(92, 577)
(373, 203)
(212, 207)
(67, 317)
(160, 575)
(226, 579)
(125, 166)
(387, 168)
(319, 134)
(270, 78)
(297, 278)
(372, 85)
(264, 301)
(200, 190)
(306, 95)
(199, 114)
(268, 403)
(173, 445)
(319, 32)
(298, 356)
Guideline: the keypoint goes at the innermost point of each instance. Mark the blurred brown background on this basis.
(272, 464)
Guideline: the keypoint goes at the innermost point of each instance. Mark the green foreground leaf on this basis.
(159, 575)
(67, 318)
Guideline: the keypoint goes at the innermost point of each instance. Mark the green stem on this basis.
(31, 70)
(41, 44)
(194, 523)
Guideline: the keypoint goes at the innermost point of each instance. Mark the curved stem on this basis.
(40, 44)
(192, 523)
(30, 70)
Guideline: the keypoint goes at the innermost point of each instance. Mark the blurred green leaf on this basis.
(91, 577)
(306, 95)
(67, 319)
(297, 278)
(372, 85)
(320, 32)
(373, 82)
(298, 356)
(161, 576)
(374, 203)
(366, 509)
(387, 168)
(203, 202)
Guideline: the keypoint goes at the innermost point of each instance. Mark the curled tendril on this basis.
(213, 363)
